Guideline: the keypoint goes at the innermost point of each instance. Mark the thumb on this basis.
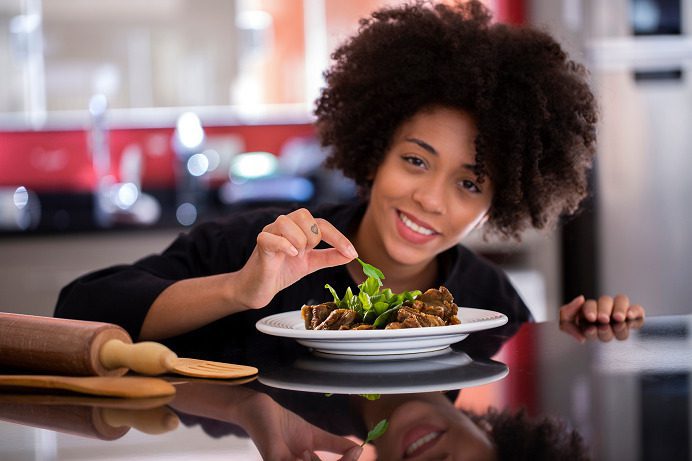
(328, 257)
(326, 441)
(569, 311)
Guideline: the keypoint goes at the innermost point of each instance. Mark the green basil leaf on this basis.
(333, 292)
(380, 307)
(370, 317)
(411, 295)
(364, 299)
(371, 286)
(382, 319)
(371, 271)
(348, 297)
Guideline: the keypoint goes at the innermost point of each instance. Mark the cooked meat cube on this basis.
(436, 296)
(440, 298)
(428, 320)
(338, 318)
(438, 311)
(411, 322)
(393, 326)
(412, 318)
(363, 326)
(453, 320)
(405, 312)
(314, 315)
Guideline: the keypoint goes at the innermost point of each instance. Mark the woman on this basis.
(447, 122)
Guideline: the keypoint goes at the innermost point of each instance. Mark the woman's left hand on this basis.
(604, 310)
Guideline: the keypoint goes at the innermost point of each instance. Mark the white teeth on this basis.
(415, 227)
(422, 441)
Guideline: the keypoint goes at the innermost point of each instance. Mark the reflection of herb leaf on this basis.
(376, 432)
(371, 396)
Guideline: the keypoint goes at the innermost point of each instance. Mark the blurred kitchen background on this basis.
(125, 122)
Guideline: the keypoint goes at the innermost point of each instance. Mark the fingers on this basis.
(573, 330)
(620, 305)
(635, 312)
(569, 311)
(590, 310)
(298, 228)
(326, 441)
(332, 236)
(606, 318)
(604, 309)
(301, 232)
(271, 243)
(352, 454)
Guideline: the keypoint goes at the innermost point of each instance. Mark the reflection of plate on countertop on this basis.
(442, 371)
(364, 343)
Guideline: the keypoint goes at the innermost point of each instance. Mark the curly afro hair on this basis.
(533, 108)
(519, 437)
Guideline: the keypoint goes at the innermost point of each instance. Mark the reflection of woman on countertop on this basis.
(447, 122)
(421, 426)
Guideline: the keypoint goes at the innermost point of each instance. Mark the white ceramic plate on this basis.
(439, 371)
(368, 343)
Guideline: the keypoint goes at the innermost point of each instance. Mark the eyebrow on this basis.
(427, 147)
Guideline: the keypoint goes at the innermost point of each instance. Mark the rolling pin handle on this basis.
(148, 357)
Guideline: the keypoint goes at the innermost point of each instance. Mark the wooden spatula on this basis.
(127, 387)
(151, 358)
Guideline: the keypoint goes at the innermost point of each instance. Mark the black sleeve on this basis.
(123, 294)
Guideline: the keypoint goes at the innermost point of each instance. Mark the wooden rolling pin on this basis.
(75, 347)
(58, 346)
(89, 420)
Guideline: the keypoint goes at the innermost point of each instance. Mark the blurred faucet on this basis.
(117, 202)
(191, 165)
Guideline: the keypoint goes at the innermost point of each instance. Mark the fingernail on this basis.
(603, 318)
(618, 317)
(293, 251)
(591, 317)
(351, 251)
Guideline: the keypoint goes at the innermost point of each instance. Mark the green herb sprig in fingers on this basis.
(374, 305)
(376, 432)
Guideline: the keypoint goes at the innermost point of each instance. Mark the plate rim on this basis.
(496, 319)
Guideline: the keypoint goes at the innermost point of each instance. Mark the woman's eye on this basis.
(470, 185)
(415, 161)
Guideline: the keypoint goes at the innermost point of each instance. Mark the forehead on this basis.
(447, 131)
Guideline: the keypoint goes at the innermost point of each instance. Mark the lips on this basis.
(420, 439)
(414, 230)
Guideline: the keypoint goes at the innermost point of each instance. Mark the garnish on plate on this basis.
(375, 308)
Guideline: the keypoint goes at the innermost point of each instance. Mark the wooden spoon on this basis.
(151, 358)
(127, 387)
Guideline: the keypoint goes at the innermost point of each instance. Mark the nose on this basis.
(431, 197)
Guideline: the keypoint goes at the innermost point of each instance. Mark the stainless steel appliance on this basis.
(639, 53)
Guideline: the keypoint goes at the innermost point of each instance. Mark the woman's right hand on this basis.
(285, 253)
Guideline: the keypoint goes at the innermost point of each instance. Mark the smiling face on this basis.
(425, 195)
(429, 427)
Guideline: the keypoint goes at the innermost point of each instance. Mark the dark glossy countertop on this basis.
(624, 391)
